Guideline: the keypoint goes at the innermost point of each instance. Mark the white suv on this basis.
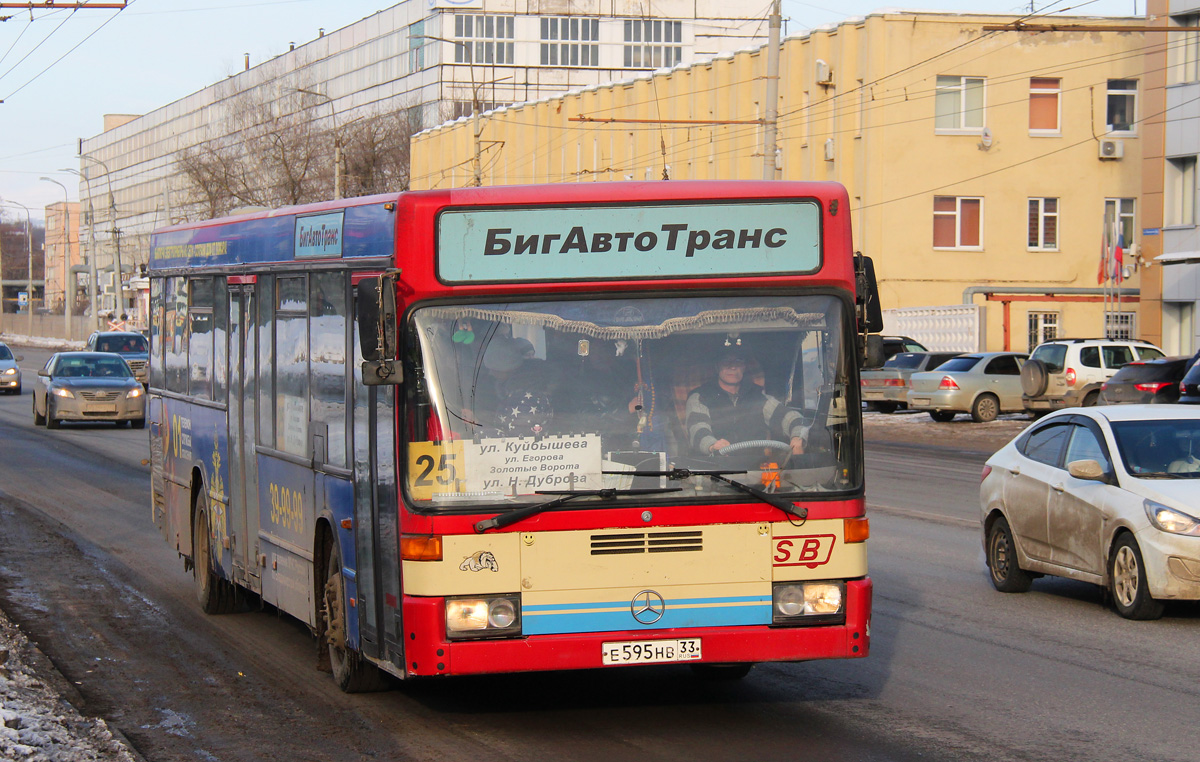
(1068, 372)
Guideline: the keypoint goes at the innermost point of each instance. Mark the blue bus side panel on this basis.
(194, 437)
(368, 231)
(287, 519)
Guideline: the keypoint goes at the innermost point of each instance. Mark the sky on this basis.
(62, 70)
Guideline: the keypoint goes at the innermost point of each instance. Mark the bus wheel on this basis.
(351, 672)
(215, 595)
(722, 671)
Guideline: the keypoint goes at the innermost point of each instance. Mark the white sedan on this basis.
(1108, 495)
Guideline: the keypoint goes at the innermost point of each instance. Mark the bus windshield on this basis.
(518, 398)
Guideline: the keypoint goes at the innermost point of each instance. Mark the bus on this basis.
(489, 430)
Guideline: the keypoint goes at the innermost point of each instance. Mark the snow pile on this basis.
(36, 723)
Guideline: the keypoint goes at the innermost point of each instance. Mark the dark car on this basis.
(132, 347)
(1146, 381)
(1189, 386)
(894, 345)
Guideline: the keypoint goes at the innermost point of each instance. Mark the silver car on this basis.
(10, 374)
(88, 386)
(983, 384)
(1107, 495)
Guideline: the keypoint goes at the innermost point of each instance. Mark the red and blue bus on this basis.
(474, 431)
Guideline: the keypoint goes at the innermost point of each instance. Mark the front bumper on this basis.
(67, 409)
(721, 645)
(1172, 564)
(10, 382)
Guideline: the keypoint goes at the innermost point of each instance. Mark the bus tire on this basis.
(215, 595)
(351, 672)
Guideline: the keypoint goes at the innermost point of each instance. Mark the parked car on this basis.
(1189, 386)
(894, 345)
(1146, 381)
(88, 386)
(886, 389)
(983, 384)
(10, 374)
(1106, 495)
(131, 345)
(1068, 372)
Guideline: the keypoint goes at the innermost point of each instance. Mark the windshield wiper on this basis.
(680, 474)
(504, 519)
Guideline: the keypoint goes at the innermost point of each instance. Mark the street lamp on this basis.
(29, 272)
(337, 140)
(92, 284)
(112, 213)
(68, 281)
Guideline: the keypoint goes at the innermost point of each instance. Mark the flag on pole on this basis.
(1105, 269)
(1119, 259)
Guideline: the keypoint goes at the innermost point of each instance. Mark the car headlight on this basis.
(10, 371)
(134, 393)
(1171, 520)
(809, 602)
(60, 391)
(483, 617)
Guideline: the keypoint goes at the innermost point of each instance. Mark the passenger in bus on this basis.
(512, 381)
(731, 409)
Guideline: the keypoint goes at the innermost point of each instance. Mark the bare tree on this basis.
(272, 153)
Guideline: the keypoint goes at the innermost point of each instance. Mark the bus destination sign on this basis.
(601, 243)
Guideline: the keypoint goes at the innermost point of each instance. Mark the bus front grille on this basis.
(646, 542)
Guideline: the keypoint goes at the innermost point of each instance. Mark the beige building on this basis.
(62, 254)
(985, 168)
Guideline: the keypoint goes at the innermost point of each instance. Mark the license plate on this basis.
(650, 651)
(1039, 403)
(872, 395)
(97, 408)
(920, 401)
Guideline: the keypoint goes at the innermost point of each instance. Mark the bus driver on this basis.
(731, 409)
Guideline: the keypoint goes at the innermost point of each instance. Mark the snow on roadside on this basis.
(36, 722)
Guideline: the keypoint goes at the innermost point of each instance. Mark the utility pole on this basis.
(119, 281)
(771, 112)
(338, 182)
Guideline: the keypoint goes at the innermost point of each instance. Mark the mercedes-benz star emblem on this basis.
(648, 607)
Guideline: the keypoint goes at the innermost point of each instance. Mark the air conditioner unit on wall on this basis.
(1111, 149)
(824, 73)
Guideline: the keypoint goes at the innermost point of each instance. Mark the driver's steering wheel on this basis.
(755, 444)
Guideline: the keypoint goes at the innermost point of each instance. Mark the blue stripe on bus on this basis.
(561, 622)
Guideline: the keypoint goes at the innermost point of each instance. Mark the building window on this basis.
(1181, 191)
(1122, 105)
(1120, 325)
(1043, 224)
(570, 41)
(466, 108)
(1044, 110)
(959, 104)
(416, 46)
(957, 222)
(653, 44)
(1184, 52)
(1119, 221)
(1043, 326)
(484, 39)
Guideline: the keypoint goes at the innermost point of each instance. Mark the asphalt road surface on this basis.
(957, 671)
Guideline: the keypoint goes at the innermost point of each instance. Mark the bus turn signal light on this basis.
(856, 530)
(421, 547)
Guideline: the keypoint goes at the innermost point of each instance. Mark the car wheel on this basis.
(138, 423)
(985, 409)
(1127, 580)
(51, 421)
(351, 672)
(1090, 399)
(215, 595)
(1034, 378)
(38, 418)
(1006, 575)
(942, 416)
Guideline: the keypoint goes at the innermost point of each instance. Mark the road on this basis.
(957, 671)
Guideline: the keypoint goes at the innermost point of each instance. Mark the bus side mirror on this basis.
(377, 327)
(866, 296)
(873, 355)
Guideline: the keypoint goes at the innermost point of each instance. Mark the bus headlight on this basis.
(809, 602)
(483, 617)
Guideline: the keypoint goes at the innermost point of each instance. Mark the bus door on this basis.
(376, 518)
(243, 469)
